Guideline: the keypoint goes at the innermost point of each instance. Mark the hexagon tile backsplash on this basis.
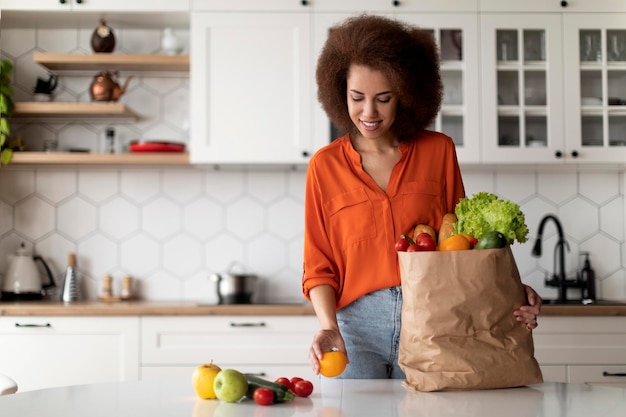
(170, 228)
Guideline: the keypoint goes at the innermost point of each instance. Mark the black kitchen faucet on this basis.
(558, 278)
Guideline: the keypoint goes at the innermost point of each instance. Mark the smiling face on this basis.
(371, 103)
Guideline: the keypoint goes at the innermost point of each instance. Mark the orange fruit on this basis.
(454, 242)
(468, 237)
(333, 363)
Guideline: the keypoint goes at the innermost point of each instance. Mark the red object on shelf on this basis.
(156, 146)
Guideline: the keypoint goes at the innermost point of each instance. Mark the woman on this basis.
(379, 80)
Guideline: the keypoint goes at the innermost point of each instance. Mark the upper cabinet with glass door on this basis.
(522, 97)
(595, 76)
(536, 6)
(395, 6)
(457, 37)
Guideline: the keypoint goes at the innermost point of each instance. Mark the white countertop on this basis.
(336, 398)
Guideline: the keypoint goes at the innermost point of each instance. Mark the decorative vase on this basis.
(103, 38)
(170, 44)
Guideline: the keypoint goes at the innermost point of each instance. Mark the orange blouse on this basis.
(351, 224)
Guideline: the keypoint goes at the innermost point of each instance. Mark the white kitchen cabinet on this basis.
(37, 5)
(43, 352)
(457, 37)
(522, 88)
(576, 6)
(546, 99)
(271, 346)
(582, 349)
(251, 93)
(395, 6)
(595, 96)
(251, 5)
(96, 5)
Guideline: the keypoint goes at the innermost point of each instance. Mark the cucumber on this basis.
(281, 392)
(491, 240)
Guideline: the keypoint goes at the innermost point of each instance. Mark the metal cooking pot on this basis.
(235, 288)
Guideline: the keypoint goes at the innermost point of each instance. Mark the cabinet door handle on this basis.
(304, 2)
(563, 3)
(574, 154)
(558, 154)
(32, 325)
(79, 1)
(259, 324)
(396, 3)
(62, 1)
(605, 373)
(261, 374)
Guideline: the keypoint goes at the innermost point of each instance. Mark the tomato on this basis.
(413, 248)
(263, 396)
(401, 245)
(284, 381)
(303, 388)
(295, 379)
(425, 242)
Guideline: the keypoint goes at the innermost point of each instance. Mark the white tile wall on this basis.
(170, 228)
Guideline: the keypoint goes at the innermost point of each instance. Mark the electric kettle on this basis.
(23, 280)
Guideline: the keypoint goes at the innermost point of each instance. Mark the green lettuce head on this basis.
(484, 212)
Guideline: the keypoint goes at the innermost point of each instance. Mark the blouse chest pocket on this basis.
(422, 202)
(351, 217)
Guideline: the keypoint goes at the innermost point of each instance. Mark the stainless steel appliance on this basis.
(235, 287)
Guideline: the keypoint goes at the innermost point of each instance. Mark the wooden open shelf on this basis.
(146, 63)
(79, 158)
(98, 111)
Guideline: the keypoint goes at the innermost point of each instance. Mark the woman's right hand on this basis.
(324, 341)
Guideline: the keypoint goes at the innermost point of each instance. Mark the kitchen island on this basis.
(336, 398)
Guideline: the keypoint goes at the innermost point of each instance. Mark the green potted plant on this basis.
(6, 109)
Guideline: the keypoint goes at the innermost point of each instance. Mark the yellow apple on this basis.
(202, 380)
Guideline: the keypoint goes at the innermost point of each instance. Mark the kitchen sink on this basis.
(580, 302)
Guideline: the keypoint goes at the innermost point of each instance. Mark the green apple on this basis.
(203, 378)
(230, 385)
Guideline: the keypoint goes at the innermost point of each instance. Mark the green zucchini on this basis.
(281, 392)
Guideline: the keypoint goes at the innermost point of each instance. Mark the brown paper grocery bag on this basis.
(458, 329)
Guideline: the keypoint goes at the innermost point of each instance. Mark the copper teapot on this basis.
(105, 87)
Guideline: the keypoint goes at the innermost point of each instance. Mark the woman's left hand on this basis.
(528, 314)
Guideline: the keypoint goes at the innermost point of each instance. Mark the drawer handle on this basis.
(605, 373)
(32, 325)
(259, 324)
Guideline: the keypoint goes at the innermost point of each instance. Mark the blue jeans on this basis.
(370, 327)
